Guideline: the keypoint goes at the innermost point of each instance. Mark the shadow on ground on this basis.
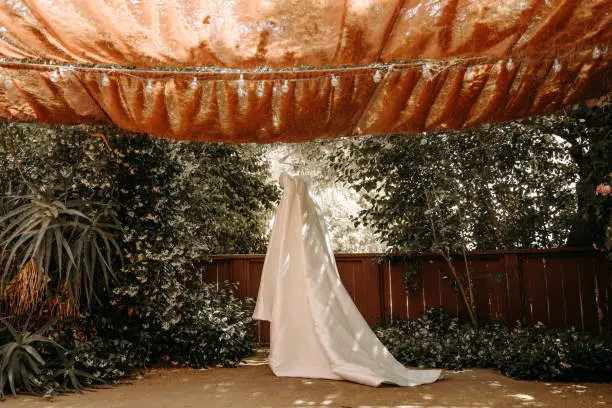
(252, 384)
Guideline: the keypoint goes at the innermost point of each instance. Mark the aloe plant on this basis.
(21, 362)
(92, 250)
(6, 205)
(56, 232)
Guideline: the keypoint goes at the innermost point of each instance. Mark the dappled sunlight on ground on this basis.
(254, 385)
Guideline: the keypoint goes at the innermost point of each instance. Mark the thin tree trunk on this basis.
(468, 301)
(468, 273)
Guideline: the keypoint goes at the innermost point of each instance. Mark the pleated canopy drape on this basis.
(293, 70)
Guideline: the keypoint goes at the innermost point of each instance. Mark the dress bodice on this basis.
(294, 184)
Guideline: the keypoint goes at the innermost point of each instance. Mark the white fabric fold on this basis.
(316, 331)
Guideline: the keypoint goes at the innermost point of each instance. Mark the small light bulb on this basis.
(426, 72)
(8, 82)
(260, 89)
(241, 86)
(377, 76)
(105, 80)
(285, 87)
(149, 87)
(55, 76)
(193, 85)
(469, 74)
(334, 81)
(596, 52)
(510, 65)
(556, 65)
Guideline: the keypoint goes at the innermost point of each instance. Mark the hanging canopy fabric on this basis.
(281, 70)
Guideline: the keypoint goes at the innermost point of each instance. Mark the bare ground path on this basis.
(253, 385)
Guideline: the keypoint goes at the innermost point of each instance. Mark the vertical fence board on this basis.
(547, 291)
(450, 298)
(554, 282)
(571, 293)
(431, 285)
(603, 271)
(535, 290)
(347, 276)
(223, 273)
(371, 292)
(416, 302)
(361, 281)
(361, 291)
(397, 303)
(240, 276)
(479, 270)
(586, 267)
(514, 295)
(496, 283)
(255, 270)
(386, 291)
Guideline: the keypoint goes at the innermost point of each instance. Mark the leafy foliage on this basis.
(438, 339)
(588, 132)
(539, 354)
(177, 203)
(492, 187)
(21, 362)
(604, 198)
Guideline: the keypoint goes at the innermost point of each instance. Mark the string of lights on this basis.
(429, 68)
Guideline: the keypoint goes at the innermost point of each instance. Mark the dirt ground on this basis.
(253, 385)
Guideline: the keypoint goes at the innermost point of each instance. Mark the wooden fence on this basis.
(562, 288)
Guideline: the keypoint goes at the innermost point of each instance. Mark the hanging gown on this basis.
(316, 331)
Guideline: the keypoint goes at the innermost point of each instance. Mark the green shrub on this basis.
(534, 353)
(439, 340)
(104, 359)
(215, 328)
(178, 321)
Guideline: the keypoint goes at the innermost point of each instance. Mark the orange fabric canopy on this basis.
(281, 70)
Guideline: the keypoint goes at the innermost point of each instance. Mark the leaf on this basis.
(58, 245)
(32, 352)
(9, 326)
(33, 365)
(25, 379)
(13, 366)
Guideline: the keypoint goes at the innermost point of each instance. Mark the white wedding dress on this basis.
(316, 329)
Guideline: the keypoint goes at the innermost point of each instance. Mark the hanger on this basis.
(296, 166)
